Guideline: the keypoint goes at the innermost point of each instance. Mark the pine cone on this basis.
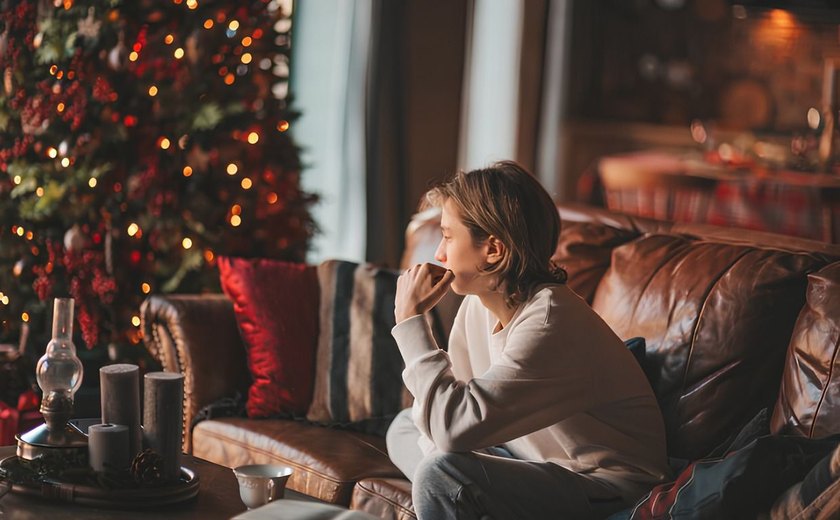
(147, 467)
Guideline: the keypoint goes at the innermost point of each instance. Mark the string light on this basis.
(229, 79)
(208, 23)
(253, 138)
(92, 182)
(5, 300)
(146, 288)
(52, 153)
(179, 53)
(187, 171)
(135, 320)
(20, 231)
(246, 41)
(208, 255)
(153, 90)
(233, 25)
(232, 169)
(65, 162)
(246, 183)
(30, 235)
(132, 56)
(169, 39)
(40, 191)
(164, 143)
(272, 198)
(17, 179)
(53, 70)
(133, 228)
(192, 4)
(186, 243)
(60, 108)
(236, 209)
(283, 125)
(24, 317)
(246, 58)
(235, 220)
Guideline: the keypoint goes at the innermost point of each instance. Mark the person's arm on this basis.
(534, 384)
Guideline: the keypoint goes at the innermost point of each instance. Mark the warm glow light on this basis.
(59, 108)
(53, 70)
(186, 243)
(132, 56)
(30, 235)
(169, 39)
(246, 58)
(233, 25)
(246, 41)
(135, 320)
(208, 255)
(40, 191)
(17, 179)
(92, 182)
(253, 137)
(236, 209)
(208, 23)
(20, 231)
(52, 153)
(235, 220)
(153, 90)
(271, 198)
(283, 125)
(179, 53)
(65, 162)
(187, 171)
(133, 228)
(146, 288)
(232, 169)
(192, 4)
(5, 300)
(164, 143)
(229, 79)
(246, 183)
(24, 317)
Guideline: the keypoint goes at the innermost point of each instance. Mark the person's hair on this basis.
(507, 202)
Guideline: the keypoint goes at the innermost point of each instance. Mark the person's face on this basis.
(458, 252)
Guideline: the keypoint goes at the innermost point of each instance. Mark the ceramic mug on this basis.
(259, 484)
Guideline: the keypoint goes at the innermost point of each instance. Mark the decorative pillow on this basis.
(358, 376)
(276, 306)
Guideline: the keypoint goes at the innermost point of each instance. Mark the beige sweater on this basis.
(555, 385)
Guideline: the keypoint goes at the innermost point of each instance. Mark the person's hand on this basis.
(419, 289)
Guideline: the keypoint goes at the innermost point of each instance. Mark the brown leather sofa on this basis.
(735, 321)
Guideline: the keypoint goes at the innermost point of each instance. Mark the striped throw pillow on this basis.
(358, 367)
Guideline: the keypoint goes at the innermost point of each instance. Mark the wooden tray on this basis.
(121, 498)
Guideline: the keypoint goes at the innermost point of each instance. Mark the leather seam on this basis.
(825, 388)
(373, 493)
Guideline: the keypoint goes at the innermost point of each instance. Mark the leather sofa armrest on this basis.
(197, 335)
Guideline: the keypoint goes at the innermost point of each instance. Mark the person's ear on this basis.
(495, 250)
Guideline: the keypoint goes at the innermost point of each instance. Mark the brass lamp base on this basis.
(70, 443)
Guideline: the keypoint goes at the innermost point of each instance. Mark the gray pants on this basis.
(476, 485)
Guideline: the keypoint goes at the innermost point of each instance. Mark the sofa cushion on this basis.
(276, 307)
(584, 250)
(717, 319)
(327, 462)
(358, 376)
(387, 498)
(809, 398)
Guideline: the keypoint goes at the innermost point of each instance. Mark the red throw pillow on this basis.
(276, 306)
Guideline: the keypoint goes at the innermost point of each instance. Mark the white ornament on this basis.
(74, 239)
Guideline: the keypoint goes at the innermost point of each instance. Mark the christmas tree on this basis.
(140, 140)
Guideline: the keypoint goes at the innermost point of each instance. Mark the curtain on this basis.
(329, 73)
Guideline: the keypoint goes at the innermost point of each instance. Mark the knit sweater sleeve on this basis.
(531, 386)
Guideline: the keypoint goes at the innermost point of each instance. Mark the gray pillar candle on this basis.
(108, 447)
(163, 418)
(120, 398)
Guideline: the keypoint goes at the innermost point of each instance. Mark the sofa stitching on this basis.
(373, 493)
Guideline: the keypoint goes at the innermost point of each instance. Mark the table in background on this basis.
(679, 187)
(218, 497)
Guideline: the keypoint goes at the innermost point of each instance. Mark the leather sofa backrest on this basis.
(809, 398)
(717, 318)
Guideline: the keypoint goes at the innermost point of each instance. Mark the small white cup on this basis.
(259, 484)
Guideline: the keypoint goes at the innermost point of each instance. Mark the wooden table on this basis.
(218, 497)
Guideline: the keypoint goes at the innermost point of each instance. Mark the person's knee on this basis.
(438, 467)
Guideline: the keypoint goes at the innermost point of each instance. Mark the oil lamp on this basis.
(59, 373)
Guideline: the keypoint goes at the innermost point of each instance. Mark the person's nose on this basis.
(440, 253)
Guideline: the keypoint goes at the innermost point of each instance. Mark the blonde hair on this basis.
(507, 202)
